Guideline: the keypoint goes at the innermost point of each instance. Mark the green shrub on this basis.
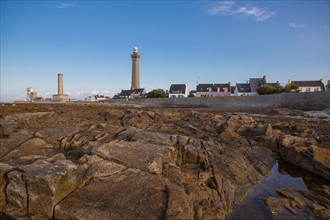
(291, 88)
(267, 89)
(157, 93)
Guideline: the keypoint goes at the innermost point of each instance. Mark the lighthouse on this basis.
(135, 69)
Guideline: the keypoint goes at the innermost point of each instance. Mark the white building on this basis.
(97, 98)
(243, 89)
(178, 91)
(308, 86)
(250, 88)
(213, 90)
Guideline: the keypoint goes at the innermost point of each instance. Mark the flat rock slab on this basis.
(28, 116)
(55, 135)
(130, 194)
(13, 141)
(34, 146)
(10, 123)
(139, 155)
(147, 153)
(102, 169)
(157, 138)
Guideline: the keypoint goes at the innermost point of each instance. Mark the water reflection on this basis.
(311, 181)
(283, 176)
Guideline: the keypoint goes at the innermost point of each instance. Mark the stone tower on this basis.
(60, 96)
(60, 84)
(135, 69)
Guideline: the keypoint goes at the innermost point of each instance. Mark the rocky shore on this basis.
(106, 161)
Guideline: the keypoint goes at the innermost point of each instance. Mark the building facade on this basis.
(178, 91)
(243, 89)
(250, 87)
(213, 90)
(97, 98)
(309, 85)
(255, 83)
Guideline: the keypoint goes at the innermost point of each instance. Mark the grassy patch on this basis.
(228, 212)
(257, 180)
(272, 210)
(242, 198)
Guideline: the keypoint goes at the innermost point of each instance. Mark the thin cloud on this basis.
(63, 5)
(78, 95)
(221, 8)
(257, 13)
(231, 8)
(296, 26)
(81, 95)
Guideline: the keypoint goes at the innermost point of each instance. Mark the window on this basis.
(316, 89)
(308, 89)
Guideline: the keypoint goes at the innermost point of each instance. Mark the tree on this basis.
(291, 87)
(157, 93)
(267, 89)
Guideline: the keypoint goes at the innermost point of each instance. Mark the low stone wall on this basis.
(303, 101)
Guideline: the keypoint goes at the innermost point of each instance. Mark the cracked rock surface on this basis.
(102, 161)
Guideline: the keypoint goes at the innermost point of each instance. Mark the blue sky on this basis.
(90, 42)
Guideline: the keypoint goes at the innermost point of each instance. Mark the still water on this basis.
(283, 176)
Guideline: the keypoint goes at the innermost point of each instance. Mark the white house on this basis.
(243, 89)
(213, 90)
(97, 98)
(308, 86)
(250, 88)
(178, 91)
